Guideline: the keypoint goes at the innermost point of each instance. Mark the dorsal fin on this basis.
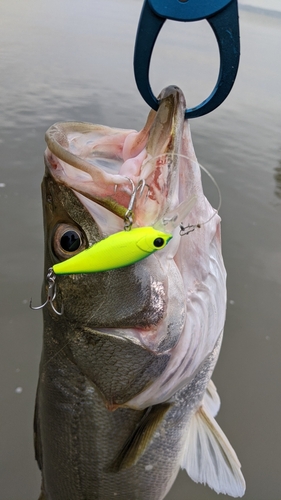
(138, 441)
(211, 400)
(209, 457)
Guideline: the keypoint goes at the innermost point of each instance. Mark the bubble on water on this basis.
(18, 390)
(25, 301)
(231, 302)
(2, 185)
(17, 370)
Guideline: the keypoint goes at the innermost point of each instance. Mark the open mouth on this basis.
(105, 165)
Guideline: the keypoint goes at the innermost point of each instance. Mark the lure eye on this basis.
(68, 240)
(158, 242)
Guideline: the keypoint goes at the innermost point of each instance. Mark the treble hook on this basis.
(51, 293)
(128, 218)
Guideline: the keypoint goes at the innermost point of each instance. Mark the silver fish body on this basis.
(124, 389)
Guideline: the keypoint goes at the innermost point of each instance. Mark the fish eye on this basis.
(158, 242)
(68, 240)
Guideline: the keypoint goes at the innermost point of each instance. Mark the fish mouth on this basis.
(102, 166)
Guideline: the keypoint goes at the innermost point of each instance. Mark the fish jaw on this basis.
(200, 263)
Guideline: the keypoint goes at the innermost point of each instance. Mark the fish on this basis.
(125, 397)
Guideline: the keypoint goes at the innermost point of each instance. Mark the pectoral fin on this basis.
(138, 441)
(209, 457)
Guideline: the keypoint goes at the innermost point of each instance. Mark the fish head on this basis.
(148, 310)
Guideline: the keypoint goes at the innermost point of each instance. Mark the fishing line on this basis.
(191, 227)
(184, 230)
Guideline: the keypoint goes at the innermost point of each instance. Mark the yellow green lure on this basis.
(117, 250)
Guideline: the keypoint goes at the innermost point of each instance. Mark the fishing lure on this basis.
(117, 250)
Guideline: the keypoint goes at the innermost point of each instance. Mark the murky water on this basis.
(67, 60)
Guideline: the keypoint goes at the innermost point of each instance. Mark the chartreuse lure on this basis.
(117, 250)
(121, 249)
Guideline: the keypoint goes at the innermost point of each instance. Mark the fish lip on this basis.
(138, 336)
(175, 93)
(170, 115)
